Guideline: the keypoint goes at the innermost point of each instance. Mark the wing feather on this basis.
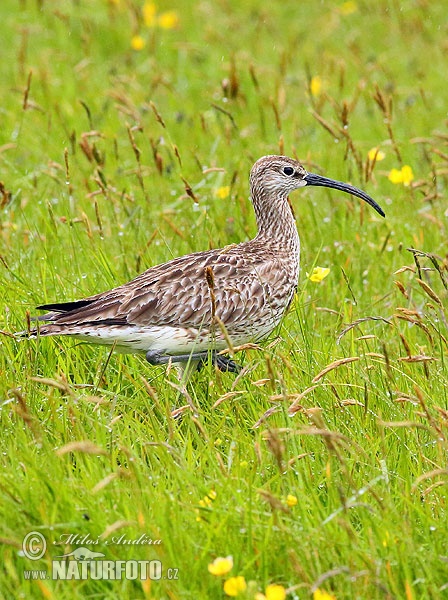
(177, 293)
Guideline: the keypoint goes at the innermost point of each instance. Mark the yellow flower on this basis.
(408, 175)
(404, 175)
(318, 274)
(221, 566)
(395, 176)
(375, 154)
(316, 85)
(222, 192)
(291, 500)
(348, 8)
(322, 595)
(137, 42)
(208, 499)
(273, 592)
(235, 585)
(149, 14)
(168, 20)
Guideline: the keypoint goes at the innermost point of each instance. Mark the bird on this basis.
(192, 308)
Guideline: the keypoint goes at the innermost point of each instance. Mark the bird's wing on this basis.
(186, 291)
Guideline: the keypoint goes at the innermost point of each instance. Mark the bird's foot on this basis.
(223, 363)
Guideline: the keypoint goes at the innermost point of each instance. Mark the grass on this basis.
(101, 149)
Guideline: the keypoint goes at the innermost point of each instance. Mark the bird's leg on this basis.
(224, 363)
(159, 358)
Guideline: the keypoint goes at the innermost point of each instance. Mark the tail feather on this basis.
(64, 307)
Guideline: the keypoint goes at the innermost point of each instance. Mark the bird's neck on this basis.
(275, 221)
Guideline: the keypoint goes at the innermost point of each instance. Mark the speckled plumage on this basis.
(169, 309)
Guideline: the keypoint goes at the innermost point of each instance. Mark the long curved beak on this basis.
(318, 180)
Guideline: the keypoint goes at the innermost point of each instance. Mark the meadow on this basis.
(128, 130)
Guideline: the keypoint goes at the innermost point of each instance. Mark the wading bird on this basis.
(195, 306)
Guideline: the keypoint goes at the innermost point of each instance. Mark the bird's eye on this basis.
(288, 170)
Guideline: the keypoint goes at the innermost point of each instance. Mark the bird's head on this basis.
(280, 175)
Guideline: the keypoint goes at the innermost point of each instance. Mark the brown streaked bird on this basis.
(189, 308)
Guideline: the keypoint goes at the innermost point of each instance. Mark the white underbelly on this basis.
(165, 339)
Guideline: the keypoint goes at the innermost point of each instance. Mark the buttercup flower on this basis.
(208, 499)
(137, 42)
(221, 566)
(404, 175)
(322, 595)
(149, 14)
(318, 274)
(222, 192)
(348, 8)
(205, 502)
(316, 85)
(376, 154)
(273, 592)
(291, 500)
(235, 586)
(168, 20)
